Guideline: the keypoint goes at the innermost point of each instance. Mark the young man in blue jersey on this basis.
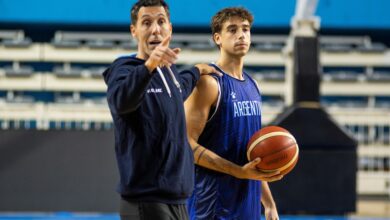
(222, 113)
(145, 96)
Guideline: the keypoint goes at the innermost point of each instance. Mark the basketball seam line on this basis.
(266, 136)
(288, 164)
(282, 149)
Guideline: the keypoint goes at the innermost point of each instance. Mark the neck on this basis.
(232, 65)
(142, 55)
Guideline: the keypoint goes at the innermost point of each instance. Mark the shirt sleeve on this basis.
(126, 87)
(188, 79)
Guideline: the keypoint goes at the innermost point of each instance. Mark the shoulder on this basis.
(206, 91)
(207, 83)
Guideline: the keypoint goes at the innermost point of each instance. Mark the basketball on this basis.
(276, 147)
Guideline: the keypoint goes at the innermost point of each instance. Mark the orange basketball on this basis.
(276, 147)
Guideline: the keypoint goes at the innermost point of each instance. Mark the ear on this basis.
(133, 31)
(170, 27)
(217, 39)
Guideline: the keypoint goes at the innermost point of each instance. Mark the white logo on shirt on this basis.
(154, 90)
(233, 94)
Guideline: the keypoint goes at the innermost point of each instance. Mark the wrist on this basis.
(237, 172)
(269, 205)
(150, 66)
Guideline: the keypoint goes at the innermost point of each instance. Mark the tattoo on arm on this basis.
(200, 155)
(196, 148)
(212, 161)
(219, 165)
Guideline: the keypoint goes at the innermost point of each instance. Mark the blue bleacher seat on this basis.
(373, 48)
(96, 72)
(66, 44)
(342, 76)
(128, 45)
(201, 46)
(337, 48)
(23, 71)
(21, 99)
(17, 43)
(379, 77)
(272, 75)
(100, 44)
(67, 100)
(269, 47)
(73, 72)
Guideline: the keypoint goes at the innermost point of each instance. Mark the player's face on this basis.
(235, 36)
(151, 28)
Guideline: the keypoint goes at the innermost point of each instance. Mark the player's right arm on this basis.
(197, 108)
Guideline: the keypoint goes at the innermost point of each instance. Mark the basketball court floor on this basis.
(366, 210)
(74, 216)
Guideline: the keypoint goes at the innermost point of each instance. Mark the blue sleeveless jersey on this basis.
(236, 117)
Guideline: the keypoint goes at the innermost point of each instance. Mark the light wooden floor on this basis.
(374, 208)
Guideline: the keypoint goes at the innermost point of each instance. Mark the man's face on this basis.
(151, 28)
(235, 37)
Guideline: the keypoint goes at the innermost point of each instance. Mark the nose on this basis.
(155, 28)
(241, 34)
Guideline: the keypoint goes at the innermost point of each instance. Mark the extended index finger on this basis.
(165, 41)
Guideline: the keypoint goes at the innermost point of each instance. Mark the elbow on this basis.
(122, 109)
(121, 106)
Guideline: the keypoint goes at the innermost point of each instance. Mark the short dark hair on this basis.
(225, 14)
(146, 3)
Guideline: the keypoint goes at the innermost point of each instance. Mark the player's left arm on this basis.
(270, 211)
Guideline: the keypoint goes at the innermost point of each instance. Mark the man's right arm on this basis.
(126, 87)
(197, 109)
(127, 84)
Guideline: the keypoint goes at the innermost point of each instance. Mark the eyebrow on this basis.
(231, 26)
(150, 15)
(234, 26)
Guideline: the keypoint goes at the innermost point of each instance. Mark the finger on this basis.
(157, 54)
(165, 51)
(273, 179)
(176, 50)
(170, 52)
(164, 55)
(169, 59)
(254, 162)
(166, 64)
(209, 70)
(165, 41)
(273, 174)
(217, 72)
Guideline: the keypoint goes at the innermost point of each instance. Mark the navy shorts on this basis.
(152, 211)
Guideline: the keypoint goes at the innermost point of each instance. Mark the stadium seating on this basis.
(355, 69)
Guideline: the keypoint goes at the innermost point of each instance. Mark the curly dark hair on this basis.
(225, 14)
(146, 3)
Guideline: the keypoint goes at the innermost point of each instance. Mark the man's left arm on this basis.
(190, 77)
(270, 211)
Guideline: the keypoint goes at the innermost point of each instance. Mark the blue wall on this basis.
(268, 13)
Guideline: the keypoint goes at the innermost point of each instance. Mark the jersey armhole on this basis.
(218, 100)
(256, 84)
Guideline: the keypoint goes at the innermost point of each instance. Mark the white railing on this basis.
(369, 126)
